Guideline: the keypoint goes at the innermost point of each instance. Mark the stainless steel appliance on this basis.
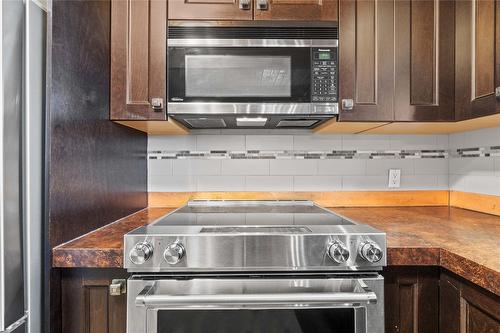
(241, 75)
(255, 266)
(12, 291)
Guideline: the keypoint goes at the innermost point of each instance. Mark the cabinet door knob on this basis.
(347, 104)
(118, 287)
(157, 104)
(497, 93)
(262, 4)
(244, 4)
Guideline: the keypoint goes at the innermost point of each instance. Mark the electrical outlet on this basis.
(394, 178)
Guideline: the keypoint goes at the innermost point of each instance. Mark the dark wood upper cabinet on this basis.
(210, 9)
(366, 61)
(424, 60)
(300, 10)
(396, 60)
(477, 70)
(138, 59)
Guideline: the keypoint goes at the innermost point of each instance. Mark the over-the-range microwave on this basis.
(252, 75)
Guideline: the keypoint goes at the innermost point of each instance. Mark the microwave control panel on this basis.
(324, 75)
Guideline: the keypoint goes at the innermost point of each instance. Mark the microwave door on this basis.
(239, 75)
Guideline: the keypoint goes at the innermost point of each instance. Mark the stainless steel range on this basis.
(255, 266)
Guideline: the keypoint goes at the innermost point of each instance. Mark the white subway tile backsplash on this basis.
(365, 142)
(431, 166)
(171, 142)
(317, 143)
(245, 167)
(381, 166)
(478, 166)
(269, 142)
(443, 182)
(162, 183)
(482, 184)
(457, 140)
(224, 160)
(442, 142)
(420, 182)
(269, 183)
(364, 183)
(482, 138)
(412, 142)
(457, 183)
(293, 167)
(317, 183)
(159, 167)
(196, 167)
(220, 142)
(342, 167)
(220, 183)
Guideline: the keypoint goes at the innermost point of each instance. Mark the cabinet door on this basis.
(210, 10)
(477, 58)
(411, 299)
(424, 60)
(86, 304)
(301, 10)
(366, 60)
(138, 59)
(466, 308)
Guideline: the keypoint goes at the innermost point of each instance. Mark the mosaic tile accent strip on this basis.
(477, 152)
(293, 154)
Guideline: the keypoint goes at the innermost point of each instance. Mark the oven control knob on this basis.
(174, 253)
(338, 252)
(141, 253)
(370, 251)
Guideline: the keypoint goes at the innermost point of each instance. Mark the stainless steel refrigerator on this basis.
(12, 287)
(20, 165)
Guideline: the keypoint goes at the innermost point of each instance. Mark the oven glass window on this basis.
(238, 76)
(257, 321)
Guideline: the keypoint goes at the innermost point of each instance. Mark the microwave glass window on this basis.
(238, 76)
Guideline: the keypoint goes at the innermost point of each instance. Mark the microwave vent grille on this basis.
(297, 122)
(187, 32)
(206, 122)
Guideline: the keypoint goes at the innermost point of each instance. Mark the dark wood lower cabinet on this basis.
(419, 299)
(411, 299)
(87, 306)
(465, 308)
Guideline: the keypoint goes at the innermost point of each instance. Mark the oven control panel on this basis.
(233, 251)
(324, 75)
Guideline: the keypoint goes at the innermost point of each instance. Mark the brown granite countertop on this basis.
(462, 241)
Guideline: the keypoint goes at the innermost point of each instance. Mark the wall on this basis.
(96, 169)
(298, 161)
(294, 162)
(475, 167)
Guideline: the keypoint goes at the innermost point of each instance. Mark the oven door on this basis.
(255, 305)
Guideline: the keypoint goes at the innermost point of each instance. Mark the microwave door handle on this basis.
(149, 300)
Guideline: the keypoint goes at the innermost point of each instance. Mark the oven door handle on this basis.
(147, 298)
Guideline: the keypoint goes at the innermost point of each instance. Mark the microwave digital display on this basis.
(324, 55)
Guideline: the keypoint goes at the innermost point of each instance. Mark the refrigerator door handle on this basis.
(16, 324)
